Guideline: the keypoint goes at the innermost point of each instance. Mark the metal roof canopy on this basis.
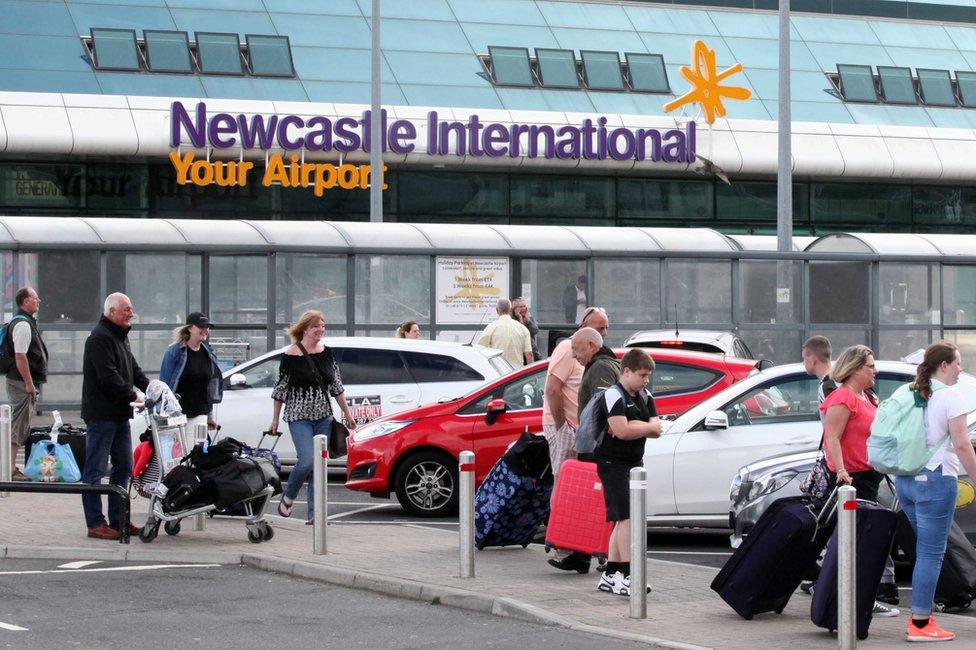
(345, 237)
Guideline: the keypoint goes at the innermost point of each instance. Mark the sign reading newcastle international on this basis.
(592, 139)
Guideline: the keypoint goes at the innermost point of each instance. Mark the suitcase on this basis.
(578, 521)
(185, 488)
(875, 534)
(267, 453)
(773, 559)
(509, 508)
(957, 581)
(69, 435)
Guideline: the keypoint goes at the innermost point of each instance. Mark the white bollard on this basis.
(466, 513)
(638, 542)
(847, 568)
(6, 459)
(199, 437)
(320, 487)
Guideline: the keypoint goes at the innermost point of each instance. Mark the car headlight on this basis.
(371, 431)
(734, 489)
(769, 483)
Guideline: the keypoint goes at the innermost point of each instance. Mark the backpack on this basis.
(897, 444)
(7, 346)
(594, 420)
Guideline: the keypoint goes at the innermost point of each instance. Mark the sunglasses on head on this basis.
(591, 310)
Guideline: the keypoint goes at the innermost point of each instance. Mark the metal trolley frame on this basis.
(171, 443)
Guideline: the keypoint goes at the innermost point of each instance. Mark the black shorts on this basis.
(616, 489)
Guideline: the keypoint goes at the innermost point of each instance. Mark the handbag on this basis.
(338, 433)
(818, 483)
(50, 462)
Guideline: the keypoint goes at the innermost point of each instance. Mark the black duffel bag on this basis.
(68, 434)
(186, 487)
(240, 479)
(211, 456)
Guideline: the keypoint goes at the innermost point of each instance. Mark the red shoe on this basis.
(103, 531)
(931, 632)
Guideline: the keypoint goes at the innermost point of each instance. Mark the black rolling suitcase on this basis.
(875, 533)
(957, 581)
(68, 434)
(772, 560)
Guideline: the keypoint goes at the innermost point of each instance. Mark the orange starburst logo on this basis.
(706, 88)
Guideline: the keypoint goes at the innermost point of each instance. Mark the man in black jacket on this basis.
(111, 379)
(601, 368)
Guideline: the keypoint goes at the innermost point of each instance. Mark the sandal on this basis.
(284, 509)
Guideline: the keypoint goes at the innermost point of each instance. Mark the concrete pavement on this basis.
(421, 563)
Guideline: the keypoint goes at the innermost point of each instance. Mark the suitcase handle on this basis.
(264, 434)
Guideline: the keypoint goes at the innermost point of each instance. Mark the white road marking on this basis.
(653, 552)
(78, 565)
(358, 510)
(138, 567)
(12, 628)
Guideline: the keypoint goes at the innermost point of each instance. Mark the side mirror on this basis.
(238, 380)
(495, 408)
(716, 420)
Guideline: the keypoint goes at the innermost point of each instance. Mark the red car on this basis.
(414, 453)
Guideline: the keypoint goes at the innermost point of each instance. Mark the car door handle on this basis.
(800, 441)
(400, 399)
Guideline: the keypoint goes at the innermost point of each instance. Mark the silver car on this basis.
(758, 484)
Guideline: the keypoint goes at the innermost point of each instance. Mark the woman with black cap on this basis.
(191, 371)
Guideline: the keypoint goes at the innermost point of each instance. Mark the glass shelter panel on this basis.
(155, 283)
(959, 289)
(698, 292)
(68, 283)
(840, 292)
(310, 282)
(909, 294)
(895, 344)
(553, 285)
(392, 289)
(762, 300)
(630, 290)
(239, 289)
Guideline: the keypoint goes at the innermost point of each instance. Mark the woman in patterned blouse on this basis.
(308, 376)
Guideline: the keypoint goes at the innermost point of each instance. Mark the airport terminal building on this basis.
(213, 155)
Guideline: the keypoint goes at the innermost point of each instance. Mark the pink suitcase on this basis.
(578, 520)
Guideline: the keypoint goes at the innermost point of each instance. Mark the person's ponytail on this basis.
(935, 355)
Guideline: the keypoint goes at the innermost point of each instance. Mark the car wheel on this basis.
(426, 485)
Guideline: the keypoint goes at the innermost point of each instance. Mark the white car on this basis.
(727, 343)
(380, 376)
(773, 411)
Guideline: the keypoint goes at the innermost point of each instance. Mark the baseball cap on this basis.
(198, 319)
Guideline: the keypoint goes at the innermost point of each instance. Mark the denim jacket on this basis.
(174, 360)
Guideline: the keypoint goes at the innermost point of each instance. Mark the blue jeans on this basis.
(302, 433)
(106, 439)
(929, 500)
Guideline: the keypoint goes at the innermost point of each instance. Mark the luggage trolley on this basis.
(171, 442)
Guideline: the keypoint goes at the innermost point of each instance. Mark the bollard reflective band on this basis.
(850, 505)
(466, 467)
(325, 454)
(638, 485)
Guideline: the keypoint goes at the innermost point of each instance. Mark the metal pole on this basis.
(466, 514)
(199, 437)
(375, 137)
(320, 482)
(846, 574)
(638, 542)
(784, 175)
(6, 460)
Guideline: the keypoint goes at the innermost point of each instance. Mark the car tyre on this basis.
(427, 485)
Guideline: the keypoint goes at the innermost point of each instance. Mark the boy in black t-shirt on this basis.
(631, 418)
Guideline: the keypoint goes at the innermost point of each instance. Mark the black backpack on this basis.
(7, 345)
(210, 456)
(185, 488)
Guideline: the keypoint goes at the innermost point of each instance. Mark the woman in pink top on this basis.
(848, 413)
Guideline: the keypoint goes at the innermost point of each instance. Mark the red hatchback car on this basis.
(414, 453)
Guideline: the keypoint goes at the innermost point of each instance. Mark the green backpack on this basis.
(898, 441)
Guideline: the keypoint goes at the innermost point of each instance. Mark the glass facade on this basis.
(746, 206)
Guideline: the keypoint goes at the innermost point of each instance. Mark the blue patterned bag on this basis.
(509, 508)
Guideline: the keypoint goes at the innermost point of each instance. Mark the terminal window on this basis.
(602, 70)
(115, 49)
(857, 83)
(270, 56)
(168, 51)
(510, 66)
(219, 53)
(896, 84)
(935, 87)
(647, 72)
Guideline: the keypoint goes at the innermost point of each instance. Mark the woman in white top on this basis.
(929, 497)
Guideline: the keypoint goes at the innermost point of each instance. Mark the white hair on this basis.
(504, 306)
(113, 301)
(588, 335)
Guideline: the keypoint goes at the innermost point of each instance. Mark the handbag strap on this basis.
(312, 364)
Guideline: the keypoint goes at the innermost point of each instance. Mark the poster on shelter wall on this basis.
(468, 288)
